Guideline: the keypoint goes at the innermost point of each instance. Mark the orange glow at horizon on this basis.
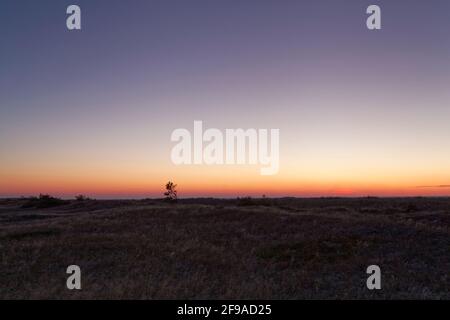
(216, 182)
(304, 172)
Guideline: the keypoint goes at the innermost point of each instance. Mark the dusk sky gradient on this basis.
(360, 112)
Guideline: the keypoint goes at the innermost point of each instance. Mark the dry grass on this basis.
(209, 249)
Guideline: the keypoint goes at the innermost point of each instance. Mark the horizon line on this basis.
(243, 197)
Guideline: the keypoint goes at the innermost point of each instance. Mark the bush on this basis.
(43, 201)
(81, 197)
(249, 201)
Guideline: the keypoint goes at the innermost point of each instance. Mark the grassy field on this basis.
(233, 249)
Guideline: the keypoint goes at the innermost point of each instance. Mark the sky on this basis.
(91, 111)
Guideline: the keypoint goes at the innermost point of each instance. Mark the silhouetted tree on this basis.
(81, 197)
(171, 192)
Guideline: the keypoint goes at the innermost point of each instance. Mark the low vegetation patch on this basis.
(43, 201)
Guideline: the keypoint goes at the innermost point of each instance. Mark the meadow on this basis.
(288, 248)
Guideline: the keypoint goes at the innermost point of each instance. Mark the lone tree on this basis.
(171, 192)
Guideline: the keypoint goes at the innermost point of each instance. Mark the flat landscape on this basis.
(287, 248)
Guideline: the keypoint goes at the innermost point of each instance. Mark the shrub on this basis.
(249, 201)
(81, 197)
(171, 192)
(43, 201)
